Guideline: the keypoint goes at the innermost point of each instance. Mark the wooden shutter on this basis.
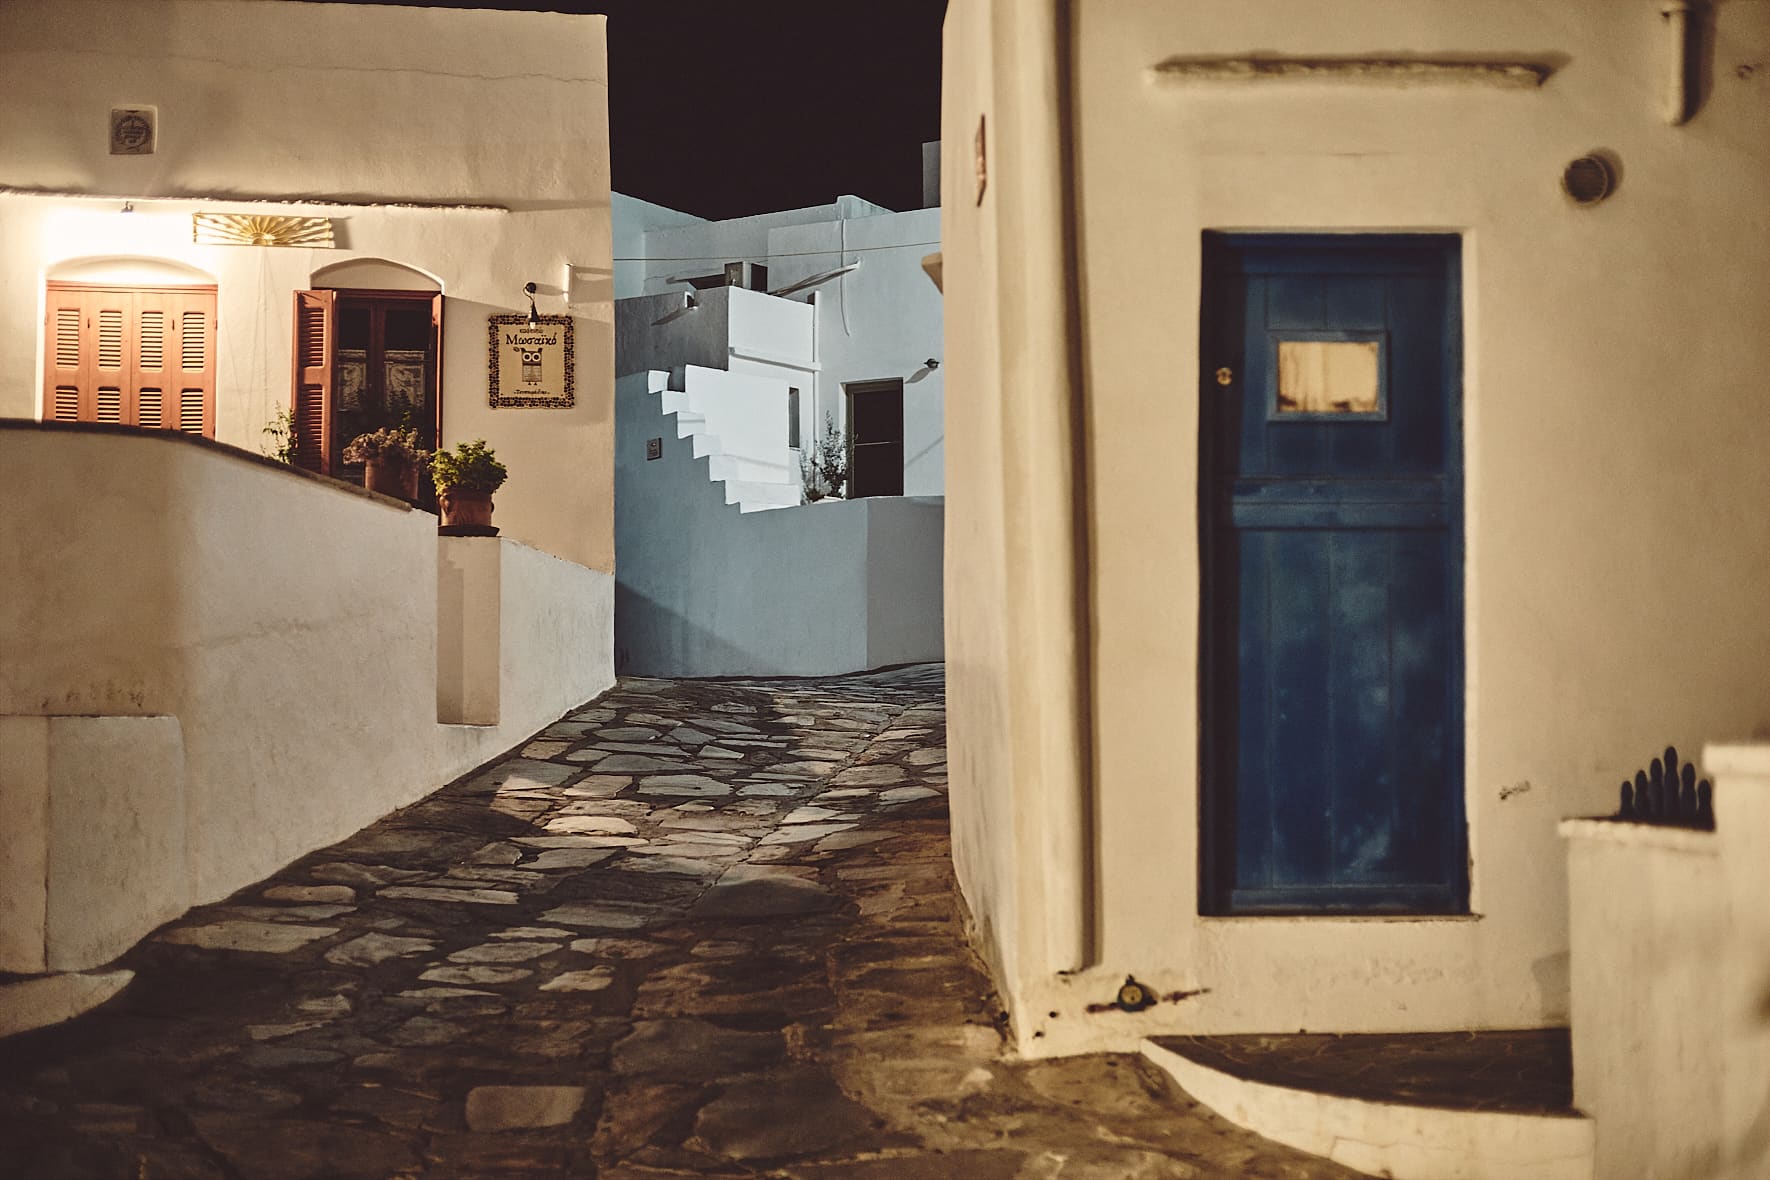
(111, 311)
(311, 399)
(436, 350)
(67, 357)
(155, 326)
(192, 346)
(132, 356)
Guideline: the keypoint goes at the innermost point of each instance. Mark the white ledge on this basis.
(752, 354)
(1375, 70)
(1742, 759)
(1634, 835)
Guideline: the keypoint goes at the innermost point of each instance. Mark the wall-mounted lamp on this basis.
(932, 363)
(529, 290)
(688, 303)
(128, 206)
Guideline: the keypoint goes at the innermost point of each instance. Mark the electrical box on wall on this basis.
(134, 131)
(654, 449)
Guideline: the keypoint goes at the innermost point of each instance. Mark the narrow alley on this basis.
(692, 929)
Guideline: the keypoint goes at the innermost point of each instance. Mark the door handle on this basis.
(1225, 375)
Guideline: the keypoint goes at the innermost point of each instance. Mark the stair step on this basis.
(760, 496)
(1413, 1106)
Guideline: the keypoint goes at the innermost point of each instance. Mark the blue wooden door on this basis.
(1333, 630)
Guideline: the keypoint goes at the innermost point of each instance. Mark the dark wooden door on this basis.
(1333, 630)
(875, 439)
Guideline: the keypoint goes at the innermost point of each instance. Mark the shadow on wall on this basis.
(823, 589)
(635, 614)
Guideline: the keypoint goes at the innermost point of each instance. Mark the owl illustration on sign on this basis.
(531, 365)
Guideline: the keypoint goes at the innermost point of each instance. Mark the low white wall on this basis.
(769, 327)
(1741, 775)
(704, 590)
(288, 622)
(1671, 983)
(1648, 932)
(94, 814)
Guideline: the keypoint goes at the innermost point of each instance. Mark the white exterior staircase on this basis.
(753, 484)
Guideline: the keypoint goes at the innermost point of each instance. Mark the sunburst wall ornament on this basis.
(255, 229)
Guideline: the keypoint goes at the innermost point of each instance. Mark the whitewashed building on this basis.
(1364, 469)
(214, 213)
(738, 344)
(875, 318)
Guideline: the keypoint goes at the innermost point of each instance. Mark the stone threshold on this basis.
(1489, 1105)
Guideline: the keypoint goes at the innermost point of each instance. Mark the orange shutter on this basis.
(311, 400)
(134, 356)
(111, 313)
(67, 357)
(191, 346)
(436, 372)
(154, 316)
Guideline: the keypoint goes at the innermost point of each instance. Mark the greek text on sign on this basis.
(531, 365)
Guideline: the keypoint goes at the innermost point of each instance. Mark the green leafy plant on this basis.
(824, 468)
(279, 437)
(389, 445)
(471, 467)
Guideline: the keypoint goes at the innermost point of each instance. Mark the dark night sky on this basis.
(724, 108)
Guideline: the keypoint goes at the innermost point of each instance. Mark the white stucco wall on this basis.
(1741, 772)
(355, 103)
(764, 327)
(287, 623)
(632, 219)
(1649, 929)
(1671, 965)
(706, 590)
(701, 247)
(398, 119)
(1581, 466)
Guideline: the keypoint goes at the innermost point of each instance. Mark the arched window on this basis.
(368, 355)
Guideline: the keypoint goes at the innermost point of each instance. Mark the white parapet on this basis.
(1741, 775)
(1670, 931)
(94, 855)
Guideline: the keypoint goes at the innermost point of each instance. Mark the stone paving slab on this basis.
(691, 929)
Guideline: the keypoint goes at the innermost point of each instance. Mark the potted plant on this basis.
(391, 459)
(824, 469)
(465, 480)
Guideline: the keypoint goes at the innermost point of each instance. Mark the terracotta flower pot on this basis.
(392, 477)
(462, 509)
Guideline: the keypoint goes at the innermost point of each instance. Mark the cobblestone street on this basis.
(693, 929)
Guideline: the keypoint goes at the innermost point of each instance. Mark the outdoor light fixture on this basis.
(529, 290)
(932, 363)
(128, 206)
(688, 303)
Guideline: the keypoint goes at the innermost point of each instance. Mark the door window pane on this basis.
(1328, 377)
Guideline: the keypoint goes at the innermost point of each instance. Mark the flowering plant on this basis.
(392, 445)
(472, 467)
